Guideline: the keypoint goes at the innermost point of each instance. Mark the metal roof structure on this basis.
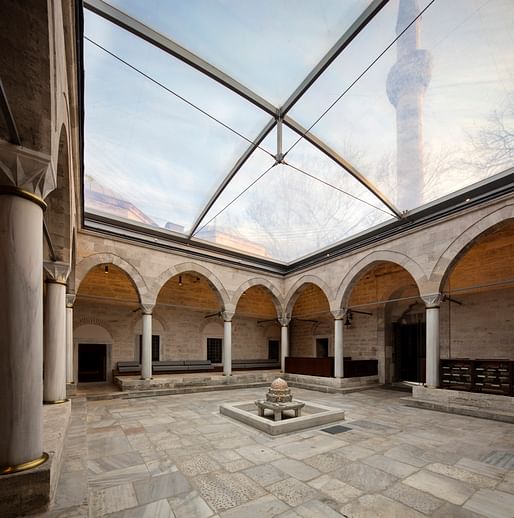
(285, 131)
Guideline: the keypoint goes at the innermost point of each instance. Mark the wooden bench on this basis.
(163, 367)
(263, 363)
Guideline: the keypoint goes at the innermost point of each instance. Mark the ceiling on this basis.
(278, 129)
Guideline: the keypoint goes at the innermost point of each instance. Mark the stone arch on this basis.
(297, 288)
(367, 262)
(264, 283)
(135, 277)
(191, 267)
(464, 241)
(58, 217)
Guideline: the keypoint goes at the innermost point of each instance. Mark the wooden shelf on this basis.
(491, 376)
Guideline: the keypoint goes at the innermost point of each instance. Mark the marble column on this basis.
(146, 349)
(70, 300)
(432, 303)
(338, 343)
(54, 364)
(284, 341)
(26, 177)
(227, 342)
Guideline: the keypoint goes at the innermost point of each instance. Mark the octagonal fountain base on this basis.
(313, 415)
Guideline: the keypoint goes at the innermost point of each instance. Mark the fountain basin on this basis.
(313, 414)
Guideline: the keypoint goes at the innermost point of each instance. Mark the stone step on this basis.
(333, 390)
(473, 411)
(169, 391)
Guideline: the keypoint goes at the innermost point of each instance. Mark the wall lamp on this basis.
(106, 268)
(180, 280)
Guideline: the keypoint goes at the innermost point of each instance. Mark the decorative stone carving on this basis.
(57, 271)
(227, 315)
(279, 392)
(147, 309)
(284, 320)
(26, 170)
(279, 399)
(338, 314)
(432, 300)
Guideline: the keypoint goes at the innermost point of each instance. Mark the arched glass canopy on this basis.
(281, 128)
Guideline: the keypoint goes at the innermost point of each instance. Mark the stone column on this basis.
(146, 349)
(338, 343)
(284, 341)
(432, 336)
(54, 364)
(227, 342)
(70, 300)
(26, 177)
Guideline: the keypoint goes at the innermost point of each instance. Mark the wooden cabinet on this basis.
(491, 376)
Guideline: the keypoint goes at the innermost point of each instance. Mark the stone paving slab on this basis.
(177, 456)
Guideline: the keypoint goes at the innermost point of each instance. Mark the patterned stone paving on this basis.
(176, 456)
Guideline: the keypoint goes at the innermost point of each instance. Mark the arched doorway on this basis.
(185, 304)
(476, 320)
(106, 299)
(385, 321)
(256, 331)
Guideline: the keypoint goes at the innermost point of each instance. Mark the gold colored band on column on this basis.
(55, 402)
(53, 281)
(17, 191)
(7, 470)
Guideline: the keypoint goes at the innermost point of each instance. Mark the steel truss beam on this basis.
(144, 32)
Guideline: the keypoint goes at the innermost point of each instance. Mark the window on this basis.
(155, 348)
(214, 349)
(273, 349)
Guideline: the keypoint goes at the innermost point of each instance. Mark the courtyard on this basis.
(176, 456)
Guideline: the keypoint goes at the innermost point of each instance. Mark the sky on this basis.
(167, 158)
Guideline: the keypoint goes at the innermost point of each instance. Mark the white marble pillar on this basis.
(227, 342)
(70, 300)
(338, 343)
(284, 341)
(146, 349)
(432, 336)
(26, 177)
(54, 364)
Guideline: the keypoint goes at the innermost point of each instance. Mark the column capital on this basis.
(26, 173)
(432, 300)
(147, 308)
(338, 314)
(227, 315)
(56, 271)
(70, 299)
(284, 320)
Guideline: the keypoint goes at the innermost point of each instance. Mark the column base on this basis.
(7, 470)
(55, 402)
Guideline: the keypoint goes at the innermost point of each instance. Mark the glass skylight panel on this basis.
(268, 46)
(425, 120)
(150, 157)
(286, 215)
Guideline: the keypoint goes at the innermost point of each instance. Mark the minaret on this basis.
(406, 85)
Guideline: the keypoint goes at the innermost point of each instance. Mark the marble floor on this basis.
(176, 456)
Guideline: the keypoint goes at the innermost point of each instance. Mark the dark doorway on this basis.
(273, 349)
(92, 362)
(321, 347)
(409, 351)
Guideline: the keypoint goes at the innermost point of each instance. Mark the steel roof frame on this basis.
(153, 37)
(435, 210)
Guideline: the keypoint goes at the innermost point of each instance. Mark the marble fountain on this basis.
(279, 413)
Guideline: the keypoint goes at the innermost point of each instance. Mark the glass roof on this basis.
(279, 128)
